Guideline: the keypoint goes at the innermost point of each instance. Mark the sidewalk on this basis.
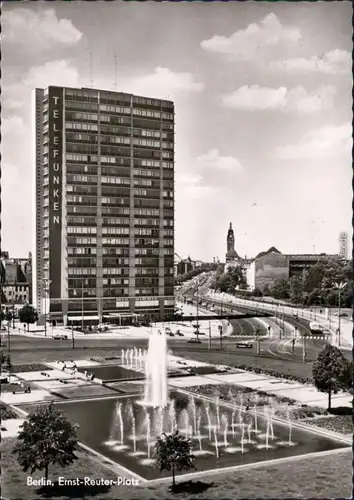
(331, 324)
(141, 332)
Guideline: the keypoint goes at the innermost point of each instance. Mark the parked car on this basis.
(60, 336)
(194, 341)
(245, 345)
(179, 333)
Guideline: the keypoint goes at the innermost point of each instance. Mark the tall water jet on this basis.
(226, 427)
(184, 422)
(198, 432)
(121, 423)
(194, 411)
(216, 443)
(148, 434)
(133, 429)
(290, 425)
(249, 428)
(233, 423)
(218, 414)
(242, 438)
(172, 417)
(255, 413)
(161, 419)
(207, 410)
(156, 393)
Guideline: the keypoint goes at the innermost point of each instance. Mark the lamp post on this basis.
(339, 287)
(13, 316)
(197, 312)
(46, 284)
(82, 306)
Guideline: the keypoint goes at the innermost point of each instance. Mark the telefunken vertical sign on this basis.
(55, 165)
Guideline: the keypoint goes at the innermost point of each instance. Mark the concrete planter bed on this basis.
(33, 367)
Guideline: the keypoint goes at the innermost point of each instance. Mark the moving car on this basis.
(194, 341)
(60, 336)
(245, 345)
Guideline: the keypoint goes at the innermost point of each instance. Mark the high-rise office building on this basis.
(104, 191)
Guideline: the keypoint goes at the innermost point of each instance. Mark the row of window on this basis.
(115, 241)
(115, 230)
(111, 271)
(115, 180)
(81, 271)
(120, 110)
(73, 241)
(115, 281)
(82, 230)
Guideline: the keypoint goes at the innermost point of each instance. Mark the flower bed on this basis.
(251, 397)
(273, 373)
(343, 424)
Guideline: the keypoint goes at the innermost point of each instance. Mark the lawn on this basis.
(327, 476)
(217, 356)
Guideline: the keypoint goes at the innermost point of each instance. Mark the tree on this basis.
(331, 372)
(28, 315)
(174, 452)
(296, 289)
(235, 277)
(5, 360)
(47, 437)
(280, 289)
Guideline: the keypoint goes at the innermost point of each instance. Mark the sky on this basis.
(263, 103)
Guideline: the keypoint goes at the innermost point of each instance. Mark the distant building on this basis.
(232, 257)
(183, 266)
(298, 263)
(265, 269)
(16, 280)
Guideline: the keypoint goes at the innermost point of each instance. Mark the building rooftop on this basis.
(270, 250)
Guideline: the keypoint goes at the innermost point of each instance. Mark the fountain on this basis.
(226, 428)
(207, 410)
(224, 435)
(156, 392)
(216, 443)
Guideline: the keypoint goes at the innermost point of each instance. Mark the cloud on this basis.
(329, 141)
(256, 98)
(13, 124)
(52, 73)
(213, 160)
(333, 62)
(245, 44)
(162, 83)
(192, 187)
(41, 29)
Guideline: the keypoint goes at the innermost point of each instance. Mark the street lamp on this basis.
(46, 284)
(339, 287)
(197, 311)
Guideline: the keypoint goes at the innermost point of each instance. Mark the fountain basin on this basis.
(103, 433)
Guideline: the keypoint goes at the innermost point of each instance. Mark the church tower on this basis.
(231, 254)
